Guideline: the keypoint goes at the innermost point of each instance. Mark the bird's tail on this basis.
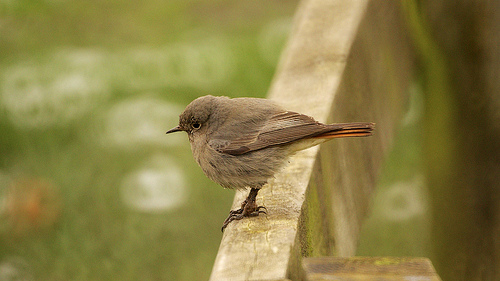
(340, 130)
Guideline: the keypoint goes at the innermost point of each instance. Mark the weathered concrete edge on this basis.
(370, 268)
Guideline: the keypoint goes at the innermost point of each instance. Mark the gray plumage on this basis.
(242, 142)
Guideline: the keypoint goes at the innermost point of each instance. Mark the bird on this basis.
(240, 143)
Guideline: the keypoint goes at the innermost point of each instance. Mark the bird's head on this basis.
(196, 115)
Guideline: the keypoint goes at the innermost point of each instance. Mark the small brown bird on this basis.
(242, 142)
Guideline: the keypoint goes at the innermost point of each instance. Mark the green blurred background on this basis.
(91, 188)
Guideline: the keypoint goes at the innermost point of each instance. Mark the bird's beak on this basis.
(176, 129)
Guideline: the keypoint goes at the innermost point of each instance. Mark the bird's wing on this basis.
(281, 128)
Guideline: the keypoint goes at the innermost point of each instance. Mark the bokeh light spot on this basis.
(404, 200)
(15, 269)
(159, 185)
(49, 94)
(142, 121)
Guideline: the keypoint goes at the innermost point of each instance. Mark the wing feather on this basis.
(281, 128)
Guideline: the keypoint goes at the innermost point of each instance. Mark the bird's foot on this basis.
(248, 209)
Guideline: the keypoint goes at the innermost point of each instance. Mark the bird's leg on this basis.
(248, 209)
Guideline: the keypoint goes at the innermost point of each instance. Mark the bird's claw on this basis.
(243, 212)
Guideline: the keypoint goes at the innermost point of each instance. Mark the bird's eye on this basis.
(196, 125)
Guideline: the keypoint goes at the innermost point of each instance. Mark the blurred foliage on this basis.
(87, 91)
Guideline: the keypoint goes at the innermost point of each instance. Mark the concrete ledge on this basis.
(334, 68)
(370, 268)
